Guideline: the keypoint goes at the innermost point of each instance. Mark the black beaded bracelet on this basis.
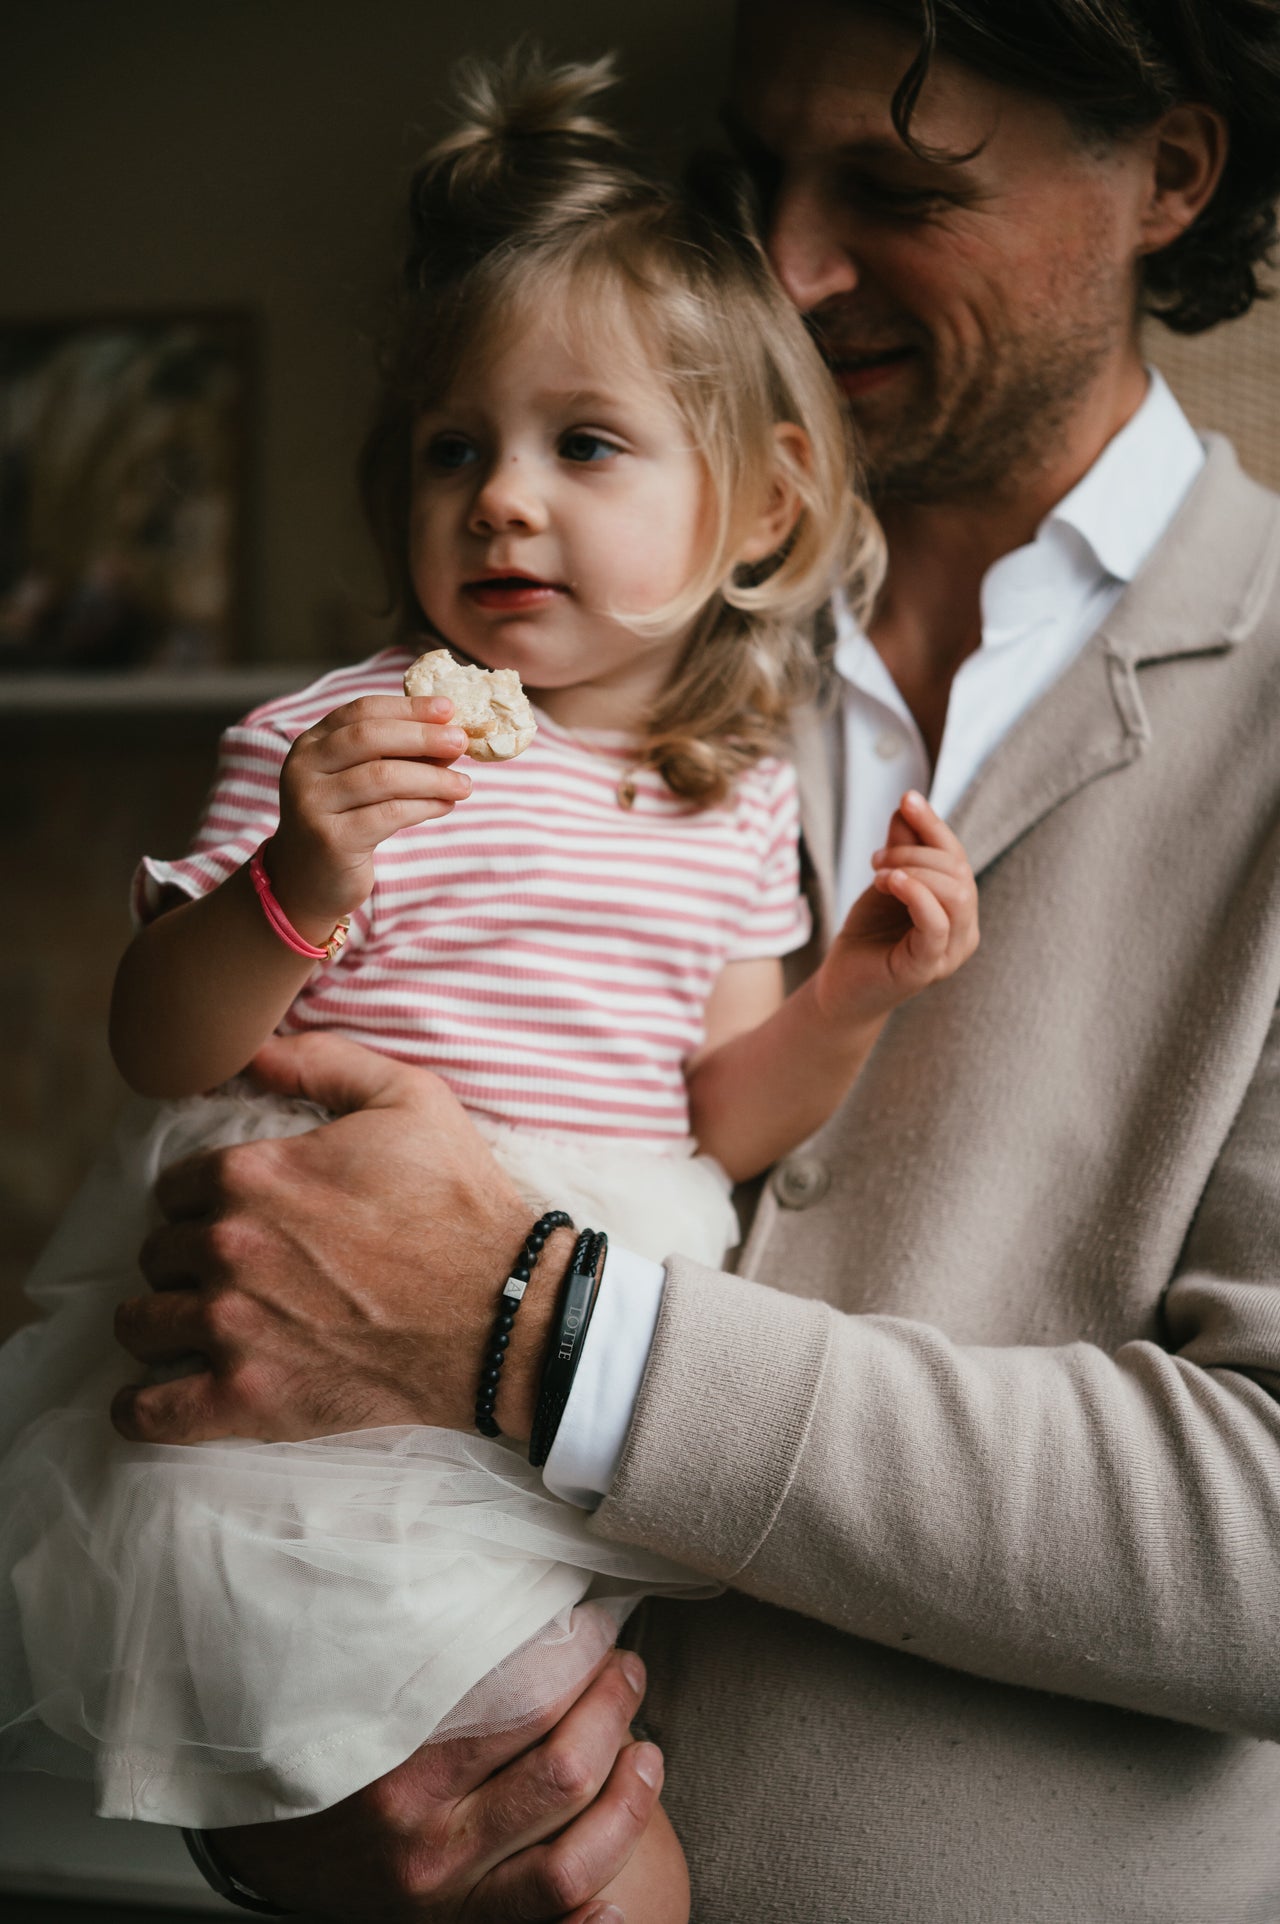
(508, 1303)
(577, 1301)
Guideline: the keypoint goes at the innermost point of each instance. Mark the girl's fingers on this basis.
(916, 855)
(925, 822)
(360, 830)
(392, 781)
(932, 923)
(901, 832)
(372, 739)
(956, 894)
(421, 708)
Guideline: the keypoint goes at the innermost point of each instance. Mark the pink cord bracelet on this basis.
(280, 922)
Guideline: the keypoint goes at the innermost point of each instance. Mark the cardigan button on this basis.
(801, 1181)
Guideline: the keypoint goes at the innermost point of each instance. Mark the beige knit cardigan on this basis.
(989, 1450)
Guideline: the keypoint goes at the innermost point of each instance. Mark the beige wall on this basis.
(1229, 380)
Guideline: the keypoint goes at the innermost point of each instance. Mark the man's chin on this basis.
(908, 452)
(895, 456)
(907, 467)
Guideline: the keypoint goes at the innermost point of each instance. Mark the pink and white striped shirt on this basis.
(545, 950)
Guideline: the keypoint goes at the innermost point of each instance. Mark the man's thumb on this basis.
(329, 1070)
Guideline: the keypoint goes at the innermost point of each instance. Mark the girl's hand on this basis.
(915, 925)
(374, 766)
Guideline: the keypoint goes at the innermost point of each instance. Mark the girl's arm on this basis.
(200, 989)
(771, 1071)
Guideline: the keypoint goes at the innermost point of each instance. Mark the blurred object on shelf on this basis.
(123, 517)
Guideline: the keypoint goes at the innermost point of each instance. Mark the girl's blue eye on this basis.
(449, 452)
(583, 447)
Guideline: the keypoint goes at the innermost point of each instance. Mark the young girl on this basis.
(609, 458)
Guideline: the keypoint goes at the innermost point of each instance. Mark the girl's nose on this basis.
(508, 498)
(809, 251)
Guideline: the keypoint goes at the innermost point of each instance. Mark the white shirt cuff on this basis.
(596, 1418)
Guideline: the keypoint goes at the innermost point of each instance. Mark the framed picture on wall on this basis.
(124, 473)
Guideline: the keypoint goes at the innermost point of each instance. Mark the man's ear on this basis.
(1188, 154)
(781, 509)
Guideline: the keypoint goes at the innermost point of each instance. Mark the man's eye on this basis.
(446, 453)
(581, 446)
(763, 167)
(882, 196)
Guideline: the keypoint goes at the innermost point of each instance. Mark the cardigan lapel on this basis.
(1186, 601)
(814, 749)
(1090, 723)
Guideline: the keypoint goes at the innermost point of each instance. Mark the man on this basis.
(988, 1452)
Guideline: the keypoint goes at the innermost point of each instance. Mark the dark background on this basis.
(160, 155)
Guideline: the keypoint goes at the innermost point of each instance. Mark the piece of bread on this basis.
(488, 703)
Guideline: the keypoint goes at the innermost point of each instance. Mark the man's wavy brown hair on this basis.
(1114, 66)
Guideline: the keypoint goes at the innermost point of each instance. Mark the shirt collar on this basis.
(1098, 535)
(1125, 502)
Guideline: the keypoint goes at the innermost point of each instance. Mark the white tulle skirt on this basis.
(236, 1631)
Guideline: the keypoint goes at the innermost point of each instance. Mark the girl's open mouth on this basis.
(510, 592)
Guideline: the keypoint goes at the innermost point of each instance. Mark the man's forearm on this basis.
(1098, 1525)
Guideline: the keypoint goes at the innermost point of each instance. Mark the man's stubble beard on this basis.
(996, 433)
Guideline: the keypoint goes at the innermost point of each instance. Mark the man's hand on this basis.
(476, 1830)
(338, 1280)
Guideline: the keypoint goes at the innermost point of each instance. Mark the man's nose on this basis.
(810, 254)
(508, 497)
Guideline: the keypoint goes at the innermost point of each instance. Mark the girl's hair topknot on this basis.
(532, 205)
(523, 159)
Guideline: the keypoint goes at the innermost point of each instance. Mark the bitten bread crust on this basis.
(488, 703)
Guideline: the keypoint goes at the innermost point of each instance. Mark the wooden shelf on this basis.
(229, 691)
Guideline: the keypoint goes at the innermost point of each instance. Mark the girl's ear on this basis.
(782, 504)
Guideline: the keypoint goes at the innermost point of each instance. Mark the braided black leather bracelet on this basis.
(508, 1303)
(201, 1850)
(577, 1300)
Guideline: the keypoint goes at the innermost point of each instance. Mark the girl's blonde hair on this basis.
(532, 204)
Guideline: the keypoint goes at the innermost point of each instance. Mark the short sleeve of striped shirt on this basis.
(242, 810)
(778, 920)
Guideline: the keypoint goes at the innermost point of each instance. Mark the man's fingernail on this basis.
(648, 1763)
(633, 1670)
(605, 1914)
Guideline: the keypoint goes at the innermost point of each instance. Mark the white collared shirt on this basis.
(1040, 605)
